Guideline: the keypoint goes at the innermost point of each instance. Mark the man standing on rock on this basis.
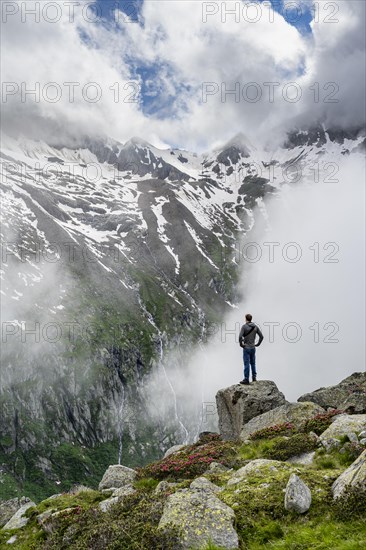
(247, 336)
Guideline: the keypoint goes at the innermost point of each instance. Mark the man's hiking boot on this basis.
(254, 378)
(245, 382)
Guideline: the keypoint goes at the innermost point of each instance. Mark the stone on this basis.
(363, 441)
(349, 395)
(123, 491)
(238, 404)
(352, 437)
(297, 495)
(216, 468)
(117, 476)
(344, 424)
(304, 458)
(12, 540)
(201, 517)
(9, 507)
(353, 476)
(295, 413)
(259, 466)
(164, 486)
(362, 434)
(330, 444)
(17, 521)
(107, 503)
(173, 450)
(203, 484)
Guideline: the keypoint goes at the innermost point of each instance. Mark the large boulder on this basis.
(201, 517)
(238, 404)
(354, 476)
(344, 424)
(17, 521)
(349, 395)
(258, 467)
(117, 476)
(295, 413)
(9, 507)
(297, 495)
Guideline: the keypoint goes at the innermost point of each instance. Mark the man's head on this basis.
(248, 318)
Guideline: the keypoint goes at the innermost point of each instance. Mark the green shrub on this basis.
(349, 453)
(351, 505)
(319, 423)
(146, 483)
(326, 463)
(295, 445)
(273, 431)
(129, 525)
(271, 531)
(192, 461)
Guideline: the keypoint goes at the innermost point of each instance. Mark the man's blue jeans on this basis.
(249, 359)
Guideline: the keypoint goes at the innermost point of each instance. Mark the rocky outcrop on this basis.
(297, 496)
(10, 507)
(258, 467)
(354, 476)
(18, 520)
(201, 517)
(344, 424)
(117, 476)
(238, 404)
(349, 395)
(295, 413)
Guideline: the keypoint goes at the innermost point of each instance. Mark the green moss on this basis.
(146, 483)
(294, 445)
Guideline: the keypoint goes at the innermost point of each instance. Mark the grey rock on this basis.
(216, 467)
(352, 437)
(349, 395)
(330, 444)
(238, 404)
(173, 450)
(363, 441)
(17, 521)
(362, 434)
(163, 486)
(203, 484)
(117, 476)
(201, 517)
(12, 540)
(304, 458)
(9, 507)
(123, 491)
(106, 504)
(353, 476)
(344, 424)
(295, 413)
(259, 466)
(297, 495)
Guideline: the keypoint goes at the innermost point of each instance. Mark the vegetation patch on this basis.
(273, 431)
(287, 447)
(320, 422)
(192, 461)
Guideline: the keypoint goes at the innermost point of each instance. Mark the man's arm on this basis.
(259, 332)
(241, 334)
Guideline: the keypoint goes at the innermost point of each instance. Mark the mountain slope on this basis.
(113, 255)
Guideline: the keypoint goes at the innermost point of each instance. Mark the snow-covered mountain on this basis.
(111, 254)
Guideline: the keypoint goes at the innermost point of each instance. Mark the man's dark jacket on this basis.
(248, 340)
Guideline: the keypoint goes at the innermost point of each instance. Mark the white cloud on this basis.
(181, 52)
